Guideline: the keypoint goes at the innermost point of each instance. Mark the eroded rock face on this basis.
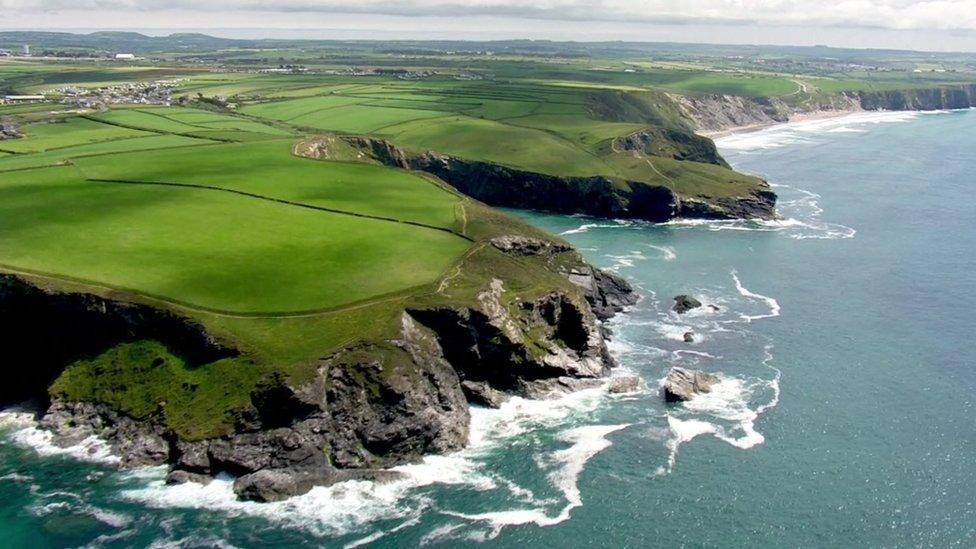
(607, 293)
(373, 405)
(682, 384)
(525, 245)
(498, 185)
(137, 443)
(82, 325)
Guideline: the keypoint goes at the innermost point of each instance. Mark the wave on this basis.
(725, 412)
(617, 224)
(774, 308)
(806, 131)
(586, 442)
(360, 507)
(667, 252)
(23, 431)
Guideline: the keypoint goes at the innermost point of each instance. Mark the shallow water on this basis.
(845, 415)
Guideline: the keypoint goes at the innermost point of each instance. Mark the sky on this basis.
(909, 24)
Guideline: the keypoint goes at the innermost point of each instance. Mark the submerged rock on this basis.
(624, 384)
(685, 303)
(682, 384)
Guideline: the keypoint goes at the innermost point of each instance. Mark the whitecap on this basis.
(587, 442)
(774, 308)
(25, 433)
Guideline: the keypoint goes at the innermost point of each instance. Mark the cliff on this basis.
(367, 406)
(713, 113)
(600, 196)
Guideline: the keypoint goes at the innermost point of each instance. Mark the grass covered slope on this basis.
(544, 128)
(281, 258)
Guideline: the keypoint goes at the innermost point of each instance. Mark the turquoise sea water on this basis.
(845, 416)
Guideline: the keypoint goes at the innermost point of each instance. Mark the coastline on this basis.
(796, 117)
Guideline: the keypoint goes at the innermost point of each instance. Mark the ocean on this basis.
(844, 417)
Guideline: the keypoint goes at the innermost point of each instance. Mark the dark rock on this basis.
(689, 337)
(600, 196)
(607, 293)
(624, 384)
(482, 394)
(179, 476)
(137, 443)
(684, 303)
(682, 384)
(714, 308)
(193, 456)
(83, 326)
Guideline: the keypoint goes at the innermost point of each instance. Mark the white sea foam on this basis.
(667, 252)
(585, 227)
(625, 260)
(724, 412)
(774, 308)
(806, 131)
(354, 506)
(24, 432)
(586, 442)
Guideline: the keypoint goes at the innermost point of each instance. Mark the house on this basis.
(125, 56)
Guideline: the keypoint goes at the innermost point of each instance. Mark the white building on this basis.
(26, 49)
(124, 56)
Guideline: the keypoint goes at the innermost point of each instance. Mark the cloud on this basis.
(888, 14)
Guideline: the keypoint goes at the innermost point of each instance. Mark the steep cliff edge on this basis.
(600, 196)
(714, 113)
(532, 329)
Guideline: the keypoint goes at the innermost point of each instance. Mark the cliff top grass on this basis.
(283, 258)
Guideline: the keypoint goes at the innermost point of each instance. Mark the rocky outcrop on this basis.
(526, 245)
(508, 187)
(368, 407)
(42, 331)
(607, 293)
(685, 303)
(624, 384)
(682, 384)
(679, 144)
(9, 131)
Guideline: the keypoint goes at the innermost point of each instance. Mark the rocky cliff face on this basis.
(42, 331)
(599, 196)
(722, 112)
(368, 407)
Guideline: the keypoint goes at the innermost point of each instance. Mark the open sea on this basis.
(846, 414)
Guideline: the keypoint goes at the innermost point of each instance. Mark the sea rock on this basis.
(682, 384)
(684, 303)
(275, 485)
(482, 394)
(179, 476)
(624, 384)
(689, 337)
(547, 389)
(137, 443)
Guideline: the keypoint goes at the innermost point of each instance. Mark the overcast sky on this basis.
(932, 24)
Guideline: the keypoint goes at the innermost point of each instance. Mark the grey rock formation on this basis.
(624, 384)
(137, 443)
(682, 384)
(688, 337)
(482, 394)
(684, 303)
(525, 245)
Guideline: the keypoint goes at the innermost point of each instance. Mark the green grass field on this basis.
(211, 249)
